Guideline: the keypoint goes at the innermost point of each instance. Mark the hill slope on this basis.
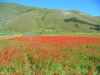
(10, 11)
(43, 20)
(98, 17)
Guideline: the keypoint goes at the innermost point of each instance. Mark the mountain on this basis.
(98, 17)
(43, 20)
(10, 11)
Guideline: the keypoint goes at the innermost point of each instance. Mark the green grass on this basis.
(9, 34)
(11, 11)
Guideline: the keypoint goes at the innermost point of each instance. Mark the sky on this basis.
(91, 7)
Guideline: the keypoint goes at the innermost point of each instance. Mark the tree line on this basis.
(73, 19)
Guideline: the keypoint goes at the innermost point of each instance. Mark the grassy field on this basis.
(55, 33)
(9, 34)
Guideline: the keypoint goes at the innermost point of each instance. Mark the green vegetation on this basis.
(11, 11)
(5, 34)
(73, 19)
(98, 17)
(43, 21)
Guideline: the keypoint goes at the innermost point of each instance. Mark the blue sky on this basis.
(91, 7)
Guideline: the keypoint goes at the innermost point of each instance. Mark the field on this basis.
(43, 41)
(50, 55)
(8, 34)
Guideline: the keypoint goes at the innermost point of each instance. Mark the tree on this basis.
(98, 27)
(76, 25)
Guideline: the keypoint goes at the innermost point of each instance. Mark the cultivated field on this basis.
(50, 55)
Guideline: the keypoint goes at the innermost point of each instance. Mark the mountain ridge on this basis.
(43, 20)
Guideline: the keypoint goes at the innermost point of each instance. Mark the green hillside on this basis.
(10, 11)
(43, 20)
(98, 17)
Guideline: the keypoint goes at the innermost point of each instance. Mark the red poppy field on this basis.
(50, 55)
